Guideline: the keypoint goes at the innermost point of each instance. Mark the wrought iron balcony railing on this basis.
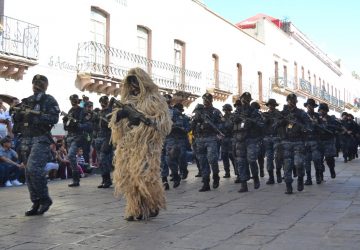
(100, 59)
(282, 82)
(220, 80)
(19, 38)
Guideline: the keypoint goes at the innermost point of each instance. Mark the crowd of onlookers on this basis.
(12, 170)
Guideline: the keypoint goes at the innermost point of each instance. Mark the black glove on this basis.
(133, 120)
(121, 114)
(248, 124)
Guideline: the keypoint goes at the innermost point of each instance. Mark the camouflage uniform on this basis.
(76, 123)
(272, 143)
(312, 151)
(327, 138)
(295, 122)
(207, 140)
(226, 142)
(36, 127)
(175, 145)
(102, 143)
(248, 126)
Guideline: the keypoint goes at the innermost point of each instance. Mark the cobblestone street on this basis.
(325, 216)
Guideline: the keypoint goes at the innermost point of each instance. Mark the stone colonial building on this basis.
(86, 47)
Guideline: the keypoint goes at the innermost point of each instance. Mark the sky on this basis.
(333, 25)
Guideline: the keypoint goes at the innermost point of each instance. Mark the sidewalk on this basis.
(325, 216)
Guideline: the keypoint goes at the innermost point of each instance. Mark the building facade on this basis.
(87, 47)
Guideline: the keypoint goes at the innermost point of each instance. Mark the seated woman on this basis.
(64, 170)
(52, 166)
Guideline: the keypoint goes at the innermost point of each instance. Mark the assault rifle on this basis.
(25, 109)
(133, 111)
(205, 117)
(70, 118)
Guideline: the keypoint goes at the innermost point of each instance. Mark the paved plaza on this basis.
(325, 216)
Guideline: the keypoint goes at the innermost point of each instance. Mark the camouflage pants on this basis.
(105, 153)
(227, 155)
(246, 153)
(73, 143)
(272, 151)
(207, 151)
(175, 155)
(312, 153)
(36, 180)
(328, 151)
(293, 157)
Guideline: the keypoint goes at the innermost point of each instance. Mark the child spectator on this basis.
(84, 167)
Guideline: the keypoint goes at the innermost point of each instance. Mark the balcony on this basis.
(19, 47)
(321, 95)
(219, 84)
(101, 69)
(282, 86)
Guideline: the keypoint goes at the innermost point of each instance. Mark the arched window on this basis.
(144, 45)
(179, 61)
(99, 33)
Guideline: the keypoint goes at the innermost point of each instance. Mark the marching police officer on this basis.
(327, 137)
(206, 123)
(248, 126)
(295, 123)
(312, 151)
(272, 142)
(226, 142)
(175, 144)
(37, 114)
(102, 142)
(76, 123)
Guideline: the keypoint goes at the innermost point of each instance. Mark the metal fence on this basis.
(98, 58)
(19, 38)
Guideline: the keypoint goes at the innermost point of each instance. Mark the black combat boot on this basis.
(300, 183)
(256, 182)
(237, 180)
(308, 181)
(278, 176)
(262, 174)
(206, 185)
(227, 175)
(331, 164)
(44, 206)
(165, 183)
(198, 174)
(177, 180)
(102, 182)
(318, 176)
(154, 213)
(244, 187)
(76, 180)
(271, 178)
(289, 189)
(34, 209)
(295, 173)
(216, 179)
(332, 172)
(107, 181)
(185, 174)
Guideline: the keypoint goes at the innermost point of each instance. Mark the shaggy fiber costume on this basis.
(138, 149)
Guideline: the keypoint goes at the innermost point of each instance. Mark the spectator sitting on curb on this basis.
(8, 165)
